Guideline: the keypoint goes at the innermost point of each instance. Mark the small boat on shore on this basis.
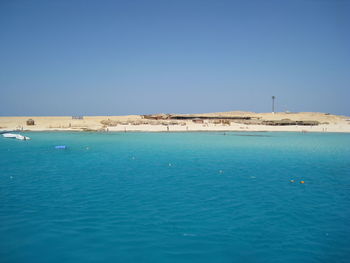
(16, 136)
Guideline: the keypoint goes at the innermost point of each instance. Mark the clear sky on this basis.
(94, 57)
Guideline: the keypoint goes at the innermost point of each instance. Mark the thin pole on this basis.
(273, 104)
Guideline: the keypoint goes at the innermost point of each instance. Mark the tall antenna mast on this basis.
(273, 104)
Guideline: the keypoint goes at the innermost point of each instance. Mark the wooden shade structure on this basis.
(30, 122)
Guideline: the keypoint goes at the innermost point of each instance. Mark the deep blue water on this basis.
(175, 197)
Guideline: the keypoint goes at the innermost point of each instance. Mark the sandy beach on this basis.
(223, 121)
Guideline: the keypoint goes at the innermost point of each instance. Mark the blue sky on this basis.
(136, 57)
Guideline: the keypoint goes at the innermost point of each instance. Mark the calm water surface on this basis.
(175, 197)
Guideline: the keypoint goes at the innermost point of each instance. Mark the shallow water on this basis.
(175, 197)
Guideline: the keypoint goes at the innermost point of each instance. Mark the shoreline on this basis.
(194, 131)
(210, 122)
(160, 130)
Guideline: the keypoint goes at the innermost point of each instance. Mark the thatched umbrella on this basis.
(30, 122)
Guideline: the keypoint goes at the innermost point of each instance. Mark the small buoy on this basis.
(188, 235)
(60, 147)
(169, 164)
(302, 182)
(292, 181)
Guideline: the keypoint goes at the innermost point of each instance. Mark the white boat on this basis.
(21, 137)
(9, 135)
(16, 136)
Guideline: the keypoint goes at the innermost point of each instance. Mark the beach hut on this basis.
(30, 122)
(197, 120)
(216, 121)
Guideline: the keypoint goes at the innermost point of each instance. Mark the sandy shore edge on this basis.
(210, 122)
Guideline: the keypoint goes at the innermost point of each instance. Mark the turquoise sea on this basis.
(175, 197)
